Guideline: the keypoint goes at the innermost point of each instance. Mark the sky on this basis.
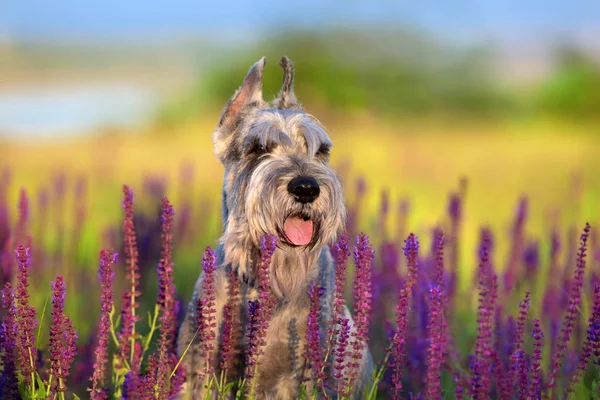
(510, 21)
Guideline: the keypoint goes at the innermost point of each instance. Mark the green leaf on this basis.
(37, 340)
(75, 397)
(43, 391)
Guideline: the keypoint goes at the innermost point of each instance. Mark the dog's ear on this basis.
(250, 93)
(286, 97)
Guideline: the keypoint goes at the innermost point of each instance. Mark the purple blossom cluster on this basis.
(63, 338)
(545, 346)
(127, 335)
(262, 308)
(231, 325)
(206, 313)
(106, 276)
(314, 351)
(27, 322)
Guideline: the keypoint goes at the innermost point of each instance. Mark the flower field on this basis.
(471, 261)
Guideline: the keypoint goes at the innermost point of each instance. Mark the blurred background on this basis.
(493, 100)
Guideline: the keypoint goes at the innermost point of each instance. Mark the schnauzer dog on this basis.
(277, 181)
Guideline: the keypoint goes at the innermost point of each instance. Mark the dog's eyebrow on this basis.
(314, 137)
(266, 134)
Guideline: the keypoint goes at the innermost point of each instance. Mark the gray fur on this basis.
(262, 149)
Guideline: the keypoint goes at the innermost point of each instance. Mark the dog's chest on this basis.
(281, 362)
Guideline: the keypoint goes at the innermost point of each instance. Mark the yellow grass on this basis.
(422, 161)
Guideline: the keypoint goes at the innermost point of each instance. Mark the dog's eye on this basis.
(257, 148)
(323, 151)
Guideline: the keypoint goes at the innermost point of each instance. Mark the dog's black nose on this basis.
(304, 189)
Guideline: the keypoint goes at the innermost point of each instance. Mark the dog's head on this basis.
(277, 176)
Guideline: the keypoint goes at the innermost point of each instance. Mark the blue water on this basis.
(64, 111)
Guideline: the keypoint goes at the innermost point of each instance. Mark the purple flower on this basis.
(341, 353)
(252, 331)
(459, 390)
(144, 388)
(21, 229)
(166, 302)
(397, 349)
(519, 338)
(436, 349)
(341, 253)
(480, 382)
(106, 275)
(263, 307)
(572, 311)
(267, 246)
(384, 211)
(439, 258)
(455, 206)
(341, 264)
(411, 252)
(26, 323)
(314, 352)
(129, 306)
(517, 245)
(591, 345)
(523, 373)
(8, 345)
(535, 389)
(363, 303)
(231, 323)
(206, 311)
(62, 340)
(363, 257)
(134, 385)
(531, 258)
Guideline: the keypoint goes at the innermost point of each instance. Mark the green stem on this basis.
(241, 388)
(32, 369)
(183, 355)
(222, 385)
(133, 291)
(42, 320)
(152, 330)
(381, 370)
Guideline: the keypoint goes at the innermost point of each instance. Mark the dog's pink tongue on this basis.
(298, 231)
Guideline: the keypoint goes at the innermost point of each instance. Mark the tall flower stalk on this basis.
(129, 318)
(8, 346)
(106, 275)
(436, 349)
(27, 323)
(573, 309)
(231, 329)
(314, 350)
(336, 325)
(166, 301)
(363, 304)
(396, 349)
(480, 381)
(62, 341)
(535, 388)
(263, 309)
(206, 315)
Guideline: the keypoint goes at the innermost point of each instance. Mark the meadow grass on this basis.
(554, 165)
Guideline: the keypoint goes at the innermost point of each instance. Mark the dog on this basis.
(277, 180)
